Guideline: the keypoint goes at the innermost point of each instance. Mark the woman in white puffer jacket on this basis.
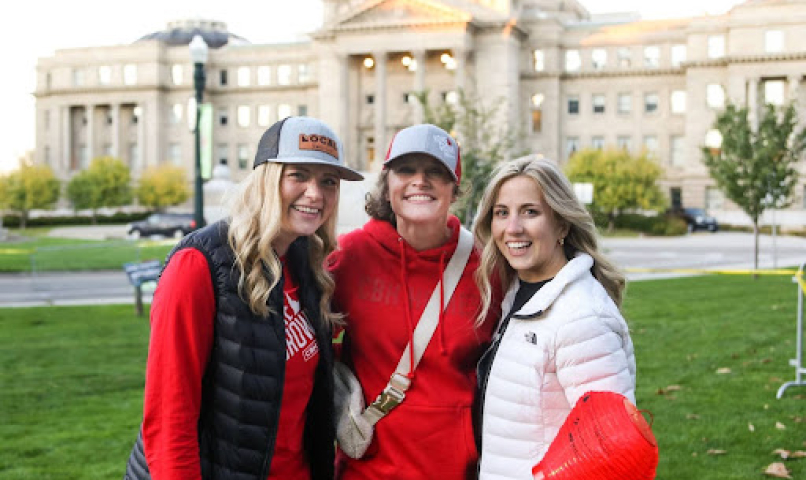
(561, 333)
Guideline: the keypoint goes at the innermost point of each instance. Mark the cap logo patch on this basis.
(320, 143)
(445, 145)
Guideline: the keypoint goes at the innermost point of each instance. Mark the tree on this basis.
(621, 181)
(106, 183)
(483, 139)
(27, 188)
(754, 168)
(162, 187)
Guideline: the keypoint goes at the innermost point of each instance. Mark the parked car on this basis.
(175, 225)
(696, 219)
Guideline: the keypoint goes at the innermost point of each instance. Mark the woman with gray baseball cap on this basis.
(238, 379)
(385, 273)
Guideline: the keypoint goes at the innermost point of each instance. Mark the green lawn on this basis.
(44, 253)
(72, 380)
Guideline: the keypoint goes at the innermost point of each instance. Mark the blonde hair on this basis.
(256, 214)
(559, 195)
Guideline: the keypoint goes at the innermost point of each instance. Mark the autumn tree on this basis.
(621, 181)
(483, 138)
(27, 188)
(755, 166)
(105, 183)
(162, 187)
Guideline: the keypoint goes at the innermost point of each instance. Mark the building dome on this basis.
(181, 32)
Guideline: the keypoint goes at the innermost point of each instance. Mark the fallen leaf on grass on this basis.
(723, 370)
(692, 416)
(777, 470)
(798, 454)
(716, 452)
(784, 454)
(669, 389)
(780, 426)
(751, 427)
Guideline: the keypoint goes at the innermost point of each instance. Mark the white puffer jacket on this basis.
(568, 339)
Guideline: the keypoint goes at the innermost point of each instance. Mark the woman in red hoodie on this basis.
(385, 273)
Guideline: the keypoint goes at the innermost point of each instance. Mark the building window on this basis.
(370, 149)
(302, 110)
(624, 103)
(130, 74)
(244, 76)
(264, 75)
(175, 153)
(283, 111)
(244, 116)
(222, 78)
(369, 99)
(176, 113)
(651, 145)
(599, 58)
(623, 57)
(104, 75)
(571, 146)
(676, 151)
(243, 156)
(222, 151)
(624, 142)
(598, 142)
(78, 77)
(678, 55)
(284, 75)
(676, 195)
(715, 96)
(540, 60)
(303, 73)
(713, 198)
(223, 117)
(678, 101)
(573, 62)
(537, 112)
(264, 115)
(716, 46)
(134, 156)
(137, 112)
(774, 92)
(177, 74)
(573, 105)
(598, 103)
(651, 57)
(773, 41)
(651, 102)
(47, 156)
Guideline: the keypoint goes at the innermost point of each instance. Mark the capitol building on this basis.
(563, 79)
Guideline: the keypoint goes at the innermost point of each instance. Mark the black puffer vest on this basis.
(242, 386)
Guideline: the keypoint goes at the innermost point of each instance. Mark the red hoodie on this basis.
(430, 435)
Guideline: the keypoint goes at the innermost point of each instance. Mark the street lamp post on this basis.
(198, 53)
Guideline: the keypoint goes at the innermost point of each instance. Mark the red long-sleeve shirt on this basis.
(182, 316)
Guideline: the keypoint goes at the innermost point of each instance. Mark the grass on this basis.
(42, 253)
(73, 381)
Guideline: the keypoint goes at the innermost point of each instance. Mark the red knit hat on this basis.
(604, 438)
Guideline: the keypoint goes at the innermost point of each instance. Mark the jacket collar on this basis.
(543, 299)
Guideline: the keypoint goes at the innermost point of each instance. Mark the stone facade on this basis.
(565, 80)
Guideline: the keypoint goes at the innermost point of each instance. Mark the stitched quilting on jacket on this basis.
(568, 339)
(242, 385)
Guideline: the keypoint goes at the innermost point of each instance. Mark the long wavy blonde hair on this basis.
(256, 213)
(559, 195)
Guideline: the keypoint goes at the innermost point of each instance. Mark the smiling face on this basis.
(527, 231)
(421, 190)
(309, 195)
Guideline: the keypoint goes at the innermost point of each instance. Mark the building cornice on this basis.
(733, 59)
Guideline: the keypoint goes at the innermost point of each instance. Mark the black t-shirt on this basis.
(525, 292)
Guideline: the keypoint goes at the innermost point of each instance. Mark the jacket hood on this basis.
(542, 300)
(386, 235)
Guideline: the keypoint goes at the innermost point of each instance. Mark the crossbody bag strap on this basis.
(399, 383)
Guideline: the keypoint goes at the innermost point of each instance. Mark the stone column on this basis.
(141, 140)
(380, 109)
(115, 114)
(752, 101)
(460, 56)
(419, 83)
(66, 141)
(89, 112)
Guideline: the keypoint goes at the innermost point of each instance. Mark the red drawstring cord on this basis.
(407, 300)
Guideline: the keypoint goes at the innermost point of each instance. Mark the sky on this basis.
(37, 28)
